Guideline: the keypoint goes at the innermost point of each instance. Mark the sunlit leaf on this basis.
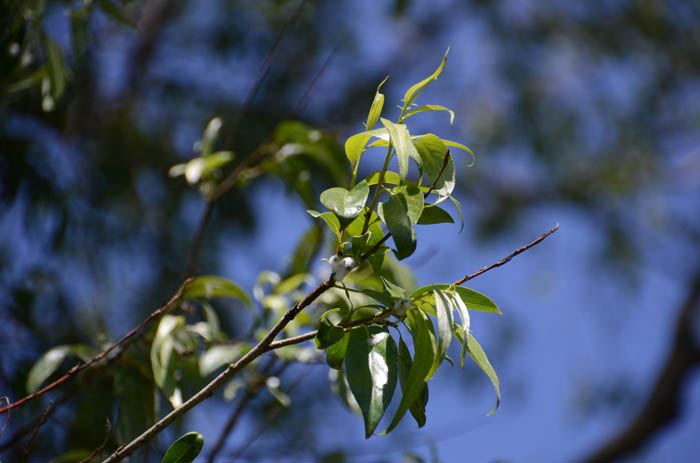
(443, 310)
(458, 206)
(454, 144)
(424, 348)
(218, 356)
(401, 139)
(414, 200)
(473, 299)
(185, 449)
(371, 366)
(431, 107)
(461, 308)
(479, 356)
(355, 145)
(346, 204)
(376, 109)
(328, 217)
(389, 177)
(416, 89)
(434, 214)
(210, 286)
(162, 347)
(440, 174)
(46, 366)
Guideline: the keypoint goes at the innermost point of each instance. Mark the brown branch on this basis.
(82, 366)
(98, 449)
(42, 420)
(442, 169)
(664, 403)
(507, 259)
(7, 420)
(208, 390)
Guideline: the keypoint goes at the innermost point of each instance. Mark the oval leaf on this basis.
(46, 366)
(473, 299)
(434, 214)
(346, 204)
(394, 213)
(185, 449)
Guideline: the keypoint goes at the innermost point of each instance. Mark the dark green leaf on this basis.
(210, 286)
(431, 107)
(328, 334)
(328, 217)
(434, 214)
(417, 408)
(424, 348)
(185, 449)
(415, 90)
(371, 365)
(394, 214)
(359, 244)
(346, 204)
(401, 139)
(376, 109)
(473, 299)
(335, 354)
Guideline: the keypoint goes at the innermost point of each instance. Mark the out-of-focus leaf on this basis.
(137, 409)
(346, 204)
(55, 67)
(46, 366)
(434, 214)
(394, 214)
(431, 107)
(401, 139)
(454, 144)
(307, 247)
(473, 299)
(162, 347)
(416, 89)
(273, 387)
(216, 357)
(376, 109)
(371, 365)
(115, 12)
(424, 347)
(185, 449)
(210, 286)
(389, 177)
(328, 217)
(417, 408)
(293, 282)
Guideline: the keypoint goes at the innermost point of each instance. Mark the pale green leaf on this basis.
(389, 177)
(355, 146)
(443, 310)
(210, 286)
(401, 139)
(479, 356)
(46, 366)
(473, 299)
(218, 356)
(376, 109)
(328, 217)
(346, 204)
(454, 144)
(416, 89)
(431, 107)
(432, 151)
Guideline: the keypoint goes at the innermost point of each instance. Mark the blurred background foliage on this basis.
(574, 109)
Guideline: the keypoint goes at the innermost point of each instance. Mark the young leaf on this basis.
(431, 107)
(46, 366)
(434, 214)
(443, 310)
(424, 347)
(390, 177)
(335, 354)
(401, 139)
(355, 146)
(417, 408)
(328, 217)
(454, 144)
(376, 109)
(371, 365)
(346, 204)
(210, 286)
(185, 449)
(473, 299)
(415, 90)
(394, 214)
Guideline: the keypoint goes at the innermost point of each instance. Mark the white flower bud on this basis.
(341, 267)
(402, 306)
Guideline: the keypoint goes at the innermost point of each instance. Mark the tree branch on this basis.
(82, 366)
(42, 420)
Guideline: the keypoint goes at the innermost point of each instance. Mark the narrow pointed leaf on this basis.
(46, 366)
(458, 206)
(415, 90)
(210, 286)
(424, 347)
(401, 139)
(462, 147)
(417, 408)
(431, 107)
(394, 214)
(459, 305)
(328, 217)
(474, 300)
(371, 366)
(443, 310)
(479, 356)
(216, 357)
(376, 109)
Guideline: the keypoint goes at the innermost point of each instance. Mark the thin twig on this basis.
(82, 366)
(7, 420)
(442, 169)
(42, 420)
(306, 97)
(505, 260)
(108, 428)
(208, 390)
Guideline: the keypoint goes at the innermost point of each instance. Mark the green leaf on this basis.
(346, 204)
(414, 200)
(459, 211)
(328, 334)
(355, 146)
(55, 67)
(432, 151)
(185, 449)
(417, 408)
(293, 282)
(424, 347)
(46, 366)
(376, 109)
(335, 354)
(479, 356)
(210, 286)
(454, 144)
(401, 139)
(163, 346)
(389, 177)
(383, 297)
(443, 310)
(473, 299)
(431, 107)
(415, 90)
(115, 13)
(359, 244)
(371, 365)
(458, 303)
(328, 217)
(394, 213)
(137, 402)
(434, 214)
(216, 357)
